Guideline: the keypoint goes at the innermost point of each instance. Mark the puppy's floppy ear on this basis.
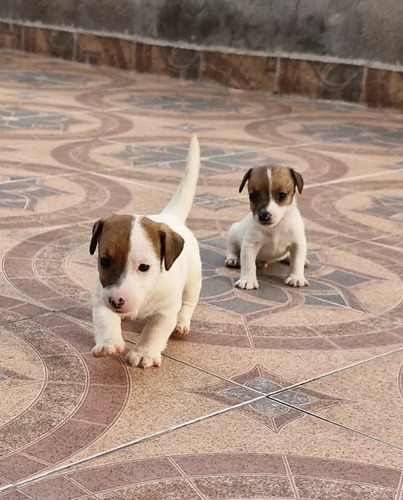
(299, 181)
(172, 245)
(96, 234)
(246, 177)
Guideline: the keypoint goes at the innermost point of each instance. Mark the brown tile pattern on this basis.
(275, 392)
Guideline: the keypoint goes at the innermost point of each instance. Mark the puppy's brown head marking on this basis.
(112, 236)
(167, 243)
(275, 183)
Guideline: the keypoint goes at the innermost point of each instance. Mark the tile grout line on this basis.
(337, 424)
(356, 178)
(399, 492)
(187, 478)
(67, 467)
(290, 477)
(338, 370)
(293, 386)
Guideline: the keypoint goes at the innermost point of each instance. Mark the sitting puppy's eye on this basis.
(254, 195)
(281, 196)
(143, 268)
(105, 262)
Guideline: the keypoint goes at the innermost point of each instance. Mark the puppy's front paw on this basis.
(248, 284)
(108, 349)
(143, 358)
(296, 281)
(233, 262)
(182, 328)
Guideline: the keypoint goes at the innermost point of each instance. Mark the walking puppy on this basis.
(273, 230)
(148, 268)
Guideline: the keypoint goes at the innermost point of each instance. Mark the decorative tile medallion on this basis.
(274, 413)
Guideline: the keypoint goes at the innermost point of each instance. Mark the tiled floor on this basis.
(276, 393)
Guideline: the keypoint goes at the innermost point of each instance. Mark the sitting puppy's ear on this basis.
(96, 234)
(299, 181)
(172, 245)
(246, 177)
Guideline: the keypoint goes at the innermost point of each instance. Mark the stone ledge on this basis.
(316, 79)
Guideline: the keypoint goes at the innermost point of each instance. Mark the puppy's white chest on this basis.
(275, 245)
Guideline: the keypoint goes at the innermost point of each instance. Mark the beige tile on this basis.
(373, 394)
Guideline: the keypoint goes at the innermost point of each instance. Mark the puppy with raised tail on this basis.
(273, 230)
(149, 268)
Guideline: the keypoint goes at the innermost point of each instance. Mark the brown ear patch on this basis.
(283, 181)
(168, 244)
(96, 234)
(259, 188)
(112, 235)
(299, 181)
(246, 177)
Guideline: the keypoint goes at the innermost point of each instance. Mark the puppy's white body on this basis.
(159, 281)
(253, 242)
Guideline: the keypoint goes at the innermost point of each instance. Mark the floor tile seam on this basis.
(244, 197)
(337, 371)
(131, 181)
(290, 477)
(365, 242)
(354, 179)
(383, 245)
(289, 387)
(354, 153)
(188, 479)
(84, 111)
(144, 439)
(28, 318)
(50, 312)
(25, 179)
(337, 424)
(399, 493)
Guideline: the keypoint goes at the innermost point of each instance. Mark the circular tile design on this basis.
(63, 416)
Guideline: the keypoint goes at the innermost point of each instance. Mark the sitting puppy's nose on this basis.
(264, 216)
(116, 305)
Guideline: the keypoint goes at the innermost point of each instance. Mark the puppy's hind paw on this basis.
(296, 281)
(233, 262)
(249, 284)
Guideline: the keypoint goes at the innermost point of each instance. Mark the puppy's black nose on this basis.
(264, 216)
(116, 305)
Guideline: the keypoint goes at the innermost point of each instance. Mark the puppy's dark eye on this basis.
(143, 268)
(105, 262)
(254, 195)
(281, 196)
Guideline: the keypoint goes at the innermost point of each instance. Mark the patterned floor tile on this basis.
(375, 394)
(78, 142)
(231, 456)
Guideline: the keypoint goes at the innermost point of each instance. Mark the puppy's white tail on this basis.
(182, 201)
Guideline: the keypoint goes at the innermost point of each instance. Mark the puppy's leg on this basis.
(287, 261)
(107, 332)
(190, 298)
(296, 276)
(233, 248)
(248, 278)
(153, 340)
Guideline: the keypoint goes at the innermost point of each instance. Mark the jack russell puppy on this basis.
(273, 230)
(149, 268)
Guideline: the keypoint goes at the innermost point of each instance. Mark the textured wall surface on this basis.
(366, 30)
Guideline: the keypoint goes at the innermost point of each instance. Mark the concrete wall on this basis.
(369, 31)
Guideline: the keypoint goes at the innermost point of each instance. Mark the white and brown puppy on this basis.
(273, 230)
(148, 268)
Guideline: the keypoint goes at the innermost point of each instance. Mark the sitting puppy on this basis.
(148, 268)
(273, 230)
